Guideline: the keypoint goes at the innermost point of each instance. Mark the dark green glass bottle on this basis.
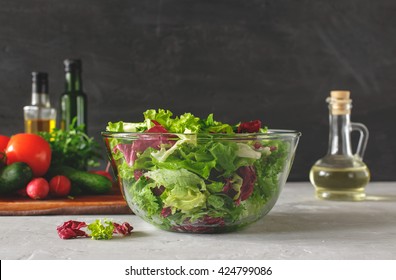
(73, 101)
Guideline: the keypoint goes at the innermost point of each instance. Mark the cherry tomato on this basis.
(31, 149)
(3, 142)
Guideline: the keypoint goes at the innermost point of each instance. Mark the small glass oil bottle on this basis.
(39, 115)
(341, 174)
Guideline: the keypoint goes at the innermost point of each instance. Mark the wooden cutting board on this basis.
(112, 203)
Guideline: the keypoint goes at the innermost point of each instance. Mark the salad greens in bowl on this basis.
(188, 174)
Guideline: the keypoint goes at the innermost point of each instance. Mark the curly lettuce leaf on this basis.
(182, 124)
(143, 196)
(163, 117)
(185, 123)
(269, 168)
(101, 231)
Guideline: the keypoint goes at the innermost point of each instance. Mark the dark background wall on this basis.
(274, 60)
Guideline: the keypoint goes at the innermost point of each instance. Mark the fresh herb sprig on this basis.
(73, 147)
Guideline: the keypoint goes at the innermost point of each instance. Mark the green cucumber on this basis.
(14, 177)
(89, 183)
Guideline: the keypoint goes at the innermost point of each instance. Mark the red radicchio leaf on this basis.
(127, 151)
(157, 191)
(204, 225)
(124, 228)
(213, 221)
(145, 141)
(157, 128)
(228, 189)
(165, 212)
(258, 145)
(249, 127)
(249, 177)
(137, 174)
(71, 229)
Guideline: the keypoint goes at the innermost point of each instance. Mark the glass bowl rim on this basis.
(270, 134)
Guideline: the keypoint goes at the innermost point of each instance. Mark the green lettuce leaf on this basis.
(184, 190)
(229, 156)
(225, 155)
(247, 151)
(185, 198)
(163, 117)
(209, 125)
(186, 123)
(127, 127)
(163, 154)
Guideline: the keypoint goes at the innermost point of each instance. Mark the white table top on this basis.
(298, 227)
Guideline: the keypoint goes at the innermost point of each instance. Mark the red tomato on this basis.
(31, 149)
(3, 142)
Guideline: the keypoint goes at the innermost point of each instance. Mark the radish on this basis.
(37, 188)
(60, 186)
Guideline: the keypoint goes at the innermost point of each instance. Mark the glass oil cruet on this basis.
(341, 174)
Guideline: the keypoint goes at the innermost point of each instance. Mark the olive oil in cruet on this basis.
(340, 174)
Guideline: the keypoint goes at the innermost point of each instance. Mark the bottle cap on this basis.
(73, 65)
(340, 102)
(39, 82)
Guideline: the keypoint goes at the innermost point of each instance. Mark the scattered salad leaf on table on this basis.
(100, 230)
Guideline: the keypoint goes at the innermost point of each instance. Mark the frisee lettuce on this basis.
(185, 123)
(101, 231)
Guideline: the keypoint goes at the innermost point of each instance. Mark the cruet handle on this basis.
(364, 133)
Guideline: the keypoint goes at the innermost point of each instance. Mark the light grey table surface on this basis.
(298, 227)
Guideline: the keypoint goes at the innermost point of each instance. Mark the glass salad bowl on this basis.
(201, 183)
